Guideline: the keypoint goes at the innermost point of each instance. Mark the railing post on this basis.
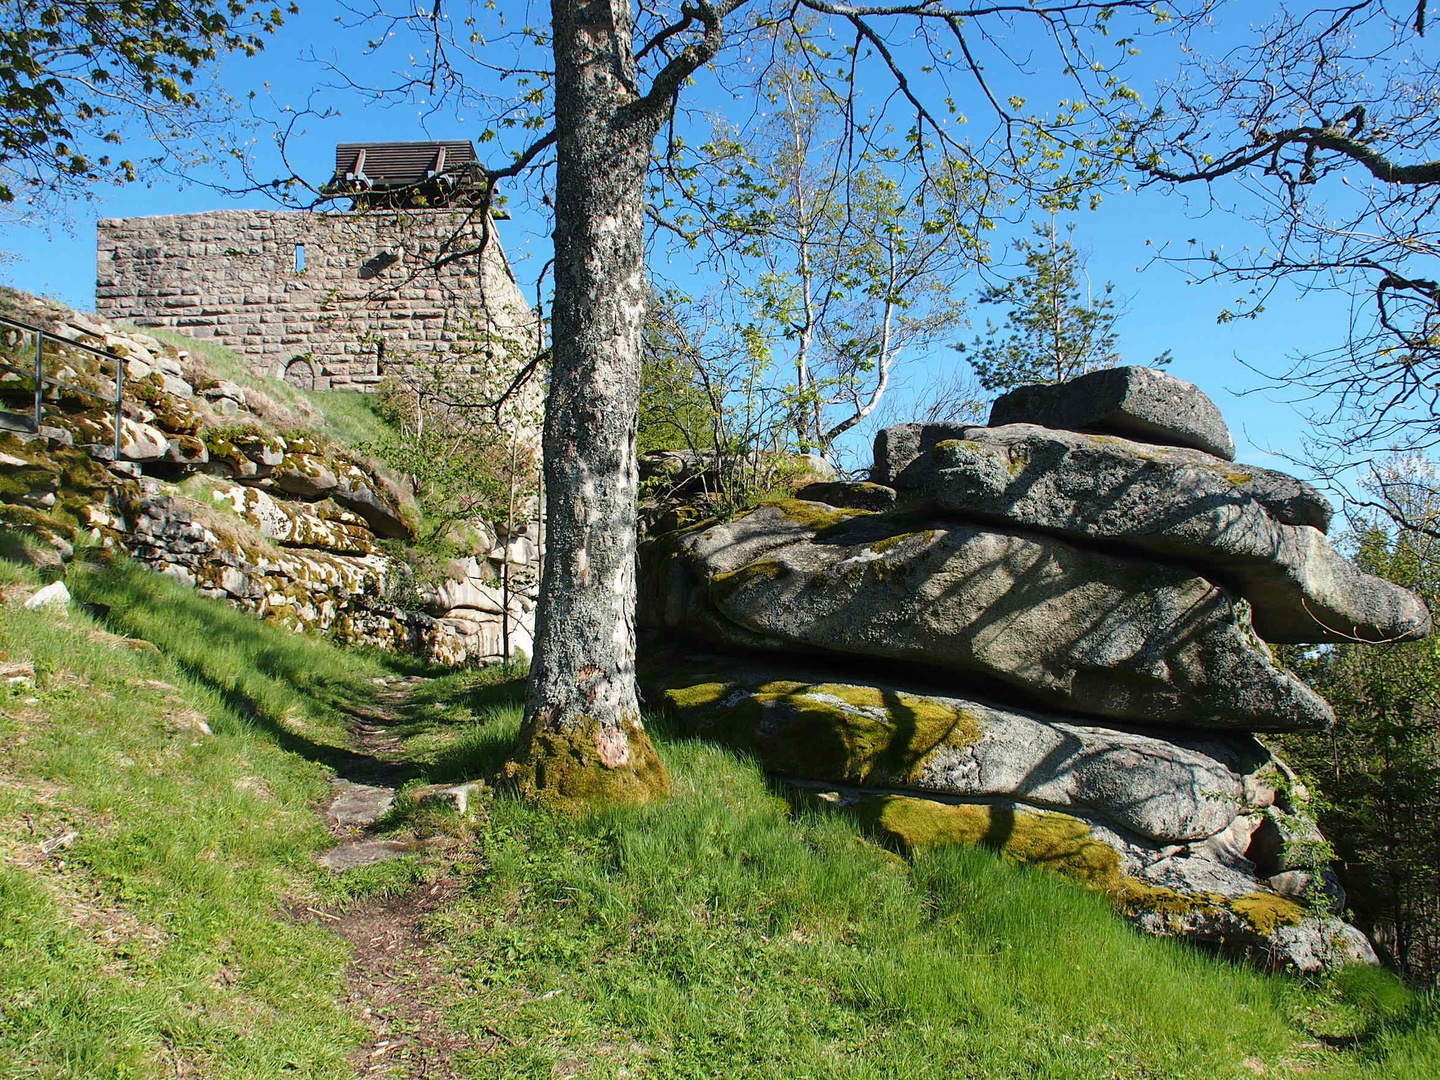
(119, 395)
(39, 373)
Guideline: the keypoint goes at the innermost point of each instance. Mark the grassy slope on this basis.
(349, 415)
(723, 934)
(153, 942)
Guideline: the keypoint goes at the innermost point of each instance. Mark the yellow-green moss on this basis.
(189, 446)
(78, 481)
(1238, 478)
(1262, 912)
(1063, 844)
(813, 515)
(831, 731)
(1133, 896)
(149, 390)
(563, 768)
(723, 586)
(175, 416)
(303, 443)
(882, 546)
(694, 697)
(25, 517)
(1056, 842)
(1266, 912)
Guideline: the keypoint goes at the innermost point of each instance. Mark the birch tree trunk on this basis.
(582, 741)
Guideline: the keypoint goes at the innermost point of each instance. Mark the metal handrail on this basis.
(41, 379)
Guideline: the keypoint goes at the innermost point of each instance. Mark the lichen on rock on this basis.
(219, 487)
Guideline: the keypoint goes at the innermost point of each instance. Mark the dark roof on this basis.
(436, 171)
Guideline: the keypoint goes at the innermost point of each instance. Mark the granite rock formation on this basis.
(1046, 640)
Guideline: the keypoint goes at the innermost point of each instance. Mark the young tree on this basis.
(847, 258)
(719, 401)
(467, 465)
(677, 408)
(598, 95)
(78, 78)
(1056, 326)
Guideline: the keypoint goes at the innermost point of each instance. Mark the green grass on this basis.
(154, 941)
(725, 933)
(350, 416)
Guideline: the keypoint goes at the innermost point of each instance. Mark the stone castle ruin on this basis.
(411, 272)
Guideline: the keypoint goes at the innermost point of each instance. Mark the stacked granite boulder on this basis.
(1047, 635)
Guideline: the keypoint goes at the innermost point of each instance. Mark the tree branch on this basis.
(1334, 139)
(693, 57)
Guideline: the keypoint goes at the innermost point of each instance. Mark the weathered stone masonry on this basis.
(327, 301)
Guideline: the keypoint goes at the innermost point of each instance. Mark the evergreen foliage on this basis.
(1379, 769)
(1054, 328)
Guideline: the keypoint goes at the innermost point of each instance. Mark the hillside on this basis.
(231, 850)
(250, 490)
(162, 811)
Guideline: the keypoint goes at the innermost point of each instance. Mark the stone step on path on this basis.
(357, 806)
(354, 808)
(344, 857)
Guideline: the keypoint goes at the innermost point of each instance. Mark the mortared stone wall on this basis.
(326, 301)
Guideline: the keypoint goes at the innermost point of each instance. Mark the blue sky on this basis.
(1163, 312)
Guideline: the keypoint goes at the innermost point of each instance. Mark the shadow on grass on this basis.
(308, 695)
(473, 716)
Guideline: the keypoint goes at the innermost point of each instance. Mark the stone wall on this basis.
(326, 301)
(249, 499)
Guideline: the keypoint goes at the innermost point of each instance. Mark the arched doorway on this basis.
(300, 373)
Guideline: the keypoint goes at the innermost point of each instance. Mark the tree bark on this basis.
(582, 741)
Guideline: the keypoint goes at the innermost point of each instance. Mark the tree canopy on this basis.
(1322, 126)
(82, 82)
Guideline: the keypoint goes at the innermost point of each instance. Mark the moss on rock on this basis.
(1131, 896)
(695, 697)
(723, 586)
(1056, 842)
(26, 517)
(880, 547)
(1064, 845)
(813, 515)
(1266, 912)
(828, 731)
